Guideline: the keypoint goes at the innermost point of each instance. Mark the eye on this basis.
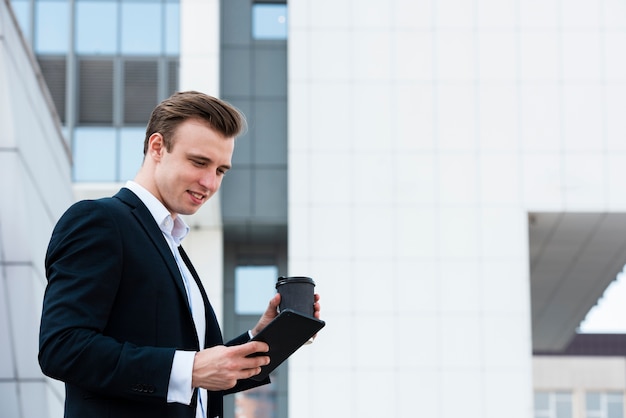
(221, 171)
(198, 163)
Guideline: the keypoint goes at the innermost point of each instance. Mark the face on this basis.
(185, 178)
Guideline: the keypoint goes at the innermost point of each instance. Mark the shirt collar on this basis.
(175, 228)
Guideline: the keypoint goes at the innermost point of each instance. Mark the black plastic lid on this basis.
(294, 279)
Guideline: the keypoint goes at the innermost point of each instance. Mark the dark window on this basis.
(140, 90)
(53, 70)
(95, 103)
(172, 77)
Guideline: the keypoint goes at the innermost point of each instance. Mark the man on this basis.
(126, 323)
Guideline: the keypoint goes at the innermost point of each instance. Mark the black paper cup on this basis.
(297, 294)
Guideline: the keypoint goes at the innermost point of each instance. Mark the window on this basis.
(254, 287)
(94, 154)
(604, 405)
(96, 27)
(141, 81)
(95, 103)
(553, 405)
(269, 21)
(131, 152)
(139, 33)
(53, 70)
(172, 28)
(52, 27)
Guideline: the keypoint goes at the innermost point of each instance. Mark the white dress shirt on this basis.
(174, 230)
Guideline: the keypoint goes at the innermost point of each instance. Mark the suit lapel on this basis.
(145, 219)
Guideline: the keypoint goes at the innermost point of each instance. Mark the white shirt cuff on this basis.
(179, 389)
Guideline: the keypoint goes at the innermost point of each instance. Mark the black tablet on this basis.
(286, 333)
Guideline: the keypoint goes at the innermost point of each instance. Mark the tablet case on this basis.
(286, 333)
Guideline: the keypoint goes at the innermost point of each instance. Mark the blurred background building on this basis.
(449, 172)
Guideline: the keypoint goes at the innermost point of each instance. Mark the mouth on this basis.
(197, 197)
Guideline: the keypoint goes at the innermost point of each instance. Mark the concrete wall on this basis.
(35, 188)
(421, 135)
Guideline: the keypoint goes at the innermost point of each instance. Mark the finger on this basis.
(256, 362)
(253, 347)
(275, 301)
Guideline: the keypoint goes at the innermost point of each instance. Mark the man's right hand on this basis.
(219, 367)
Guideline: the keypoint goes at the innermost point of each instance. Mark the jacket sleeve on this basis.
(83, 267)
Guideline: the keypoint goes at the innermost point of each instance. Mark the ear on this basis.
(156, 147)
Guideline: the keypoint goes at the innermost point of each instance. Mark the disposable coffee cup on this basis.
(297, 294)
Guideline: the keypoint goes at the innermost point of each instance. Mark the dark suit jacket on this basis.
(114, 312)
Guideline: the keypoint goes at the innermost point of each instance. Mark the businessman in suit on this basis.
(126, 323)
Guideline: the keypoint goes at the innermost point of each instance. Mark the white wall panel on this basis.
(497, 56)
(414, 174)
(457, 178)
(543, 181)
(614, 14)
(414, 14)
(498, 116)
(497, 14)
(418, 294)
(616, 173)
(411, 55)
(614, 67)
(9, 399)
(579, 14)
(25, 295)
(582, 55)
(7, 356)
(457, 14)
(541, 122)
(413, 117)
(540, 56)
(500, 180)
(456, 55)
(539, 14)
(330, 56)
(485, 111)
(585, 181)
(615, 96)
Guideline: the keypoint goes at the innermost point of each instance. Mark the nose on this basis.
(210, 181)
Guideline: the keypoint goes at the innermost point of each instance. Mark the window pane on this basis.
(96, 27)
(140, 90)
(254, 287)
(615, 411)
(269, 21)
(542, 401)
(131, 152)
(94, 154)
(172, 77)
(172, 28)
(141, 28)
(21, 8)
(564, 410)
(95, 91)
(52, 27)
(53, 70)
(592, 401)
(615, 405)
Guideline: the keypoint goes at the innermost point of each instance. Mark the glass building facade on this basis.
(107, 63)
